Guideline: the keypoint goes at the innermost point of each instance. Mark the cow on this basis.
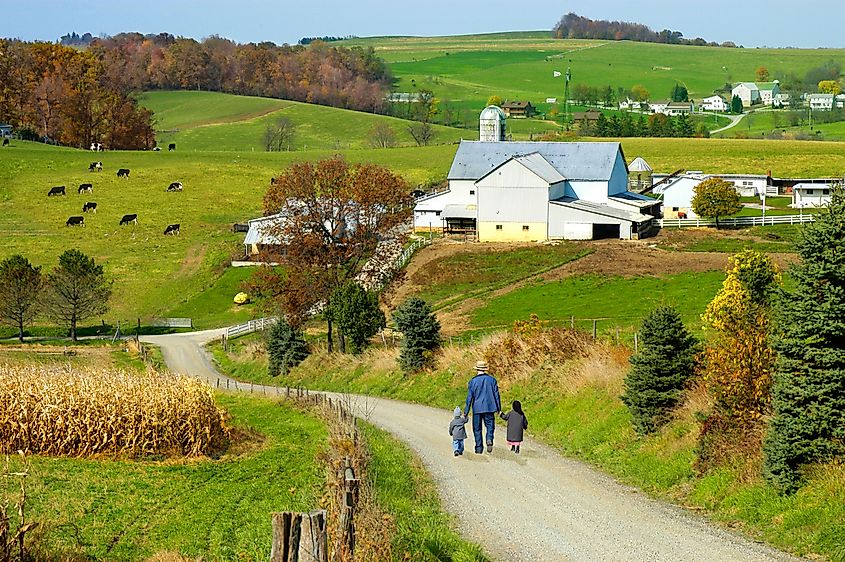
(175, 186)
(417, 193)
(171, 146)
(86, 187)
(273, 180)
(123, 173)
(237, 227)
(75, 221)
(89, 206)
(5, 142)
(133, 218)
(172, 229)
(95, 167)
(58, 190)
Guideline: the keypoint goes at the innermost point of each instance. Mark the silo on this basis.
(639, 176)
(491, 124)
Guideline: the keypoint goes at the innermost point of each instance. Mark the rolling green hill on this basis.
(211, 121)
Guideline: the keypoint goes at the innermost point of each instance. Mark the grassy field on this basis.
(761, 123)
(203, 121)
(468, 69)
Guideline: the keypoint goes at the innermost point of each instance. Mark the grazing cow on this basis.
(172, 229)
(273, 180)
(5, 142)
(89, 206)
(171, 146)
(58, 190)
(417, 193)
(75, 221)
(123, 173)
(133, 218)
(175, 186)
(237, 227)
(95, 167)
(86, 187)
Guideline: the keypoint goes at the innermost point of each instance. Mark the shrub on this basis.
(63, 412)
(660, 369)
(286, 348)
(421, 333)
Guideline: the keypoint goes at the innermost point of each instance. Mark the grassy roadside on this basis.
(576, 408)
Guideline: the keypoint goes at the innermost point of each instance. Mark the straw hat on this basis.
(481, 366)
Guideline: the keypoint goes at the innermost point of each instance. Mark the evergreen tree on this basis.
(601, 126)
(421, 333)
(614, 126)
(684, 126)
(736, 104)
(680, 93)
(659, 371)
(809, 380)
(286, 348)
(357, 315)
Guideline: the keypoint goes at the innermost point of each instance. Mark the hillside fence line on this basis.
(738, 221)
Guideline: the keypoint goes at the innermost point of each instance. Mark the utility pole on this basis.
(566, 96)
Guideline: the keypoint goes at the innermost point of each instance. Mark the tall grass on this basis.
(59, 411)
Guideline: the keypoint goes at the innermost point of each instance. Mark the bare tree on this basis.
(422, 133)
(382, 136)
(278, 135)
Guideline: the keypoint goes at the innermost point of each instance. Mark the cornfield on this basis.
(71, 412)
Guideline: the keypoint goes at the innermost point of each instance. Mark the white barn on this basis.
(810, 195)
(527, 191)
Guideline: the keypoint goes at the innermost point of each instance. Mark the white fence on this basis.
(251, 326)
(738, 221)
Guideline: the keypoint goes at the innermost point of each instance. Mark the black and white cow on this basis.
(175, 186)
(85, 187)
(90, 206)
(58, 190)
(75, 221)
(95, 167)
(133, 218)
(123, 173)
(5, 142)
(172, 229)
(171, 146)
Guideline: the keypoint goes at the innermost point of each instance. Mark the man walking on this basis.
(483, 398)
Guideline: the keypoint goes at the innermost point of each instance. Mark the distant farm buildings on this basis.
(530, 191)
(754, 93)
(518, 109)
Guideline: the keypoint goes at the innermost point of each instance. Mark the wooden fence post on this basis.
(572, 321)
(347, 510)
(299, 537)
(595, 322)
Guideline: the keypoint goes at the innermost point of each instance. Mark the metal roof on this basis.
(639, 165)
(604, 210)
(590, 161)
(635, 199)
(456, 211)
(259, 231)
(538, 165)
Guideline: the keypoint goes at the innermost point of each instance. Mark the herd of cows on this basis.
(91, 206)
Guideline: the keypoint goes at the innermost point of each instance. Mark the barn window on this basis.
(809, 192)
(675, 208)
(498, 227)
(472, 192)
(437, 214)
(524, 227)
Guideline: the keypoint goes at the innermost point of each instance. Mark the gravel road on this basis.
(536, 506)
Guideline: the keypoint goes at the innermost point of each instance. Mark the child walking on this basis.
(458, 431)
(517, 424)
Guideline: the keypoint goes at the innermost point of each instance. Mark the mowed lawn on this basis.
(238, 123)
(214, 509)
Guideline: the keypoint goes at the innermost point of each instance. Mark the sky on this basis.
(776, 23)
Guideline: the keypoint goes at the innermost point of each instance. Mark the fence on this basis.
(738, 221)
(251, 326)
(172, 322)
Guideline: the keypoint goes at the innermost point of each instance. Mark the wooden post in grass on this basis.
(299, 537)
(347, 512)
(595, 322)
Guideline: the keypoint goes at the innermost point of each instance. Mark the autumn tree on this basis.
(659, 370)
(77, 289)
(20, 290)
(640, 93)
(830, 87)
(420, 333)
(494, 100)
(808, 425)
(762, 74)
(382, 135)
(357, 315)
(332, 216)
(738, 359)
(714, 198)
(278, 134)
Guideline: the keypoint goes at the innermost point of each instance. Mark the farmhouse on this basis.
(810, 195)
(518, 109)
(658, 106)
(747, 185)
(714, 103)
(589, 117)
(527, 191)
(768, 92)
(679, 108)
(820, 102)
(748, 92)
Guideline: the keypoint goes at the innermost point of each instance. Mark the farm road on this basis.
(537, 506)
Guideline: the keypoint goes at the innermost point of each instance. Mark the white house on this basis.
(630, 104)
(810, 195)
(747, 185)
(748, 92)
(527, 191)
(768, 92)
(679, 108)
(820, 102)
(658, 106)
(839, 101)
(713, 103)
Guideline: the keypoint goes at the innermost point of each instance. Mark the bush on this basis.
(421, 333)
(660, 369)
(286, 348)
(357, 315)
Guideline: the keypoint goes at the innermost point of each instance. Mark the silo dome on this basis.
(491, 124)
(639, 176)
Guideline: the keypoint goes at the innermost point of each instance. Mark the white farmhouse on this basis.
(769, 92)
(820, 102)
(679, 108)
(527, 191)
(810, 195)
(714, 103)
(748, 92)
(658, 106)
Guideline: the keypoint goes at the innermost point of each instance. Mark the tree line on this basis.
(352, 78)
(59, 94)
(655, 125)
(573, 26)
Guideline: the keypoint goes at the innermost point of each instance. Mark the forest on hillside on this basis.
(573, 26)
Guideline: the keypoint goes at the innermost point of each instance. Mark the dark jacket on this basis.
(517, 423)
(457, 429)
(483, 395)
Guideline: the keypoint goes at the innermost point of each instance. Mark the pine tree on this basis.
(286, 348)
(736, 104)
(659, 370)
(357, 315)
(809, 380)
(421, 333)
